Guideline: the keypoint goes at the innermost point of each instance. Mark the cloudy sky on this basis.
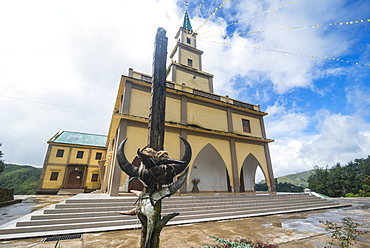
(61, 61)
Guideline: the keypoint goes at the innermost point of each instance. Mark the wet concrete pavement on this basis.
(288, 230)
(29, 204)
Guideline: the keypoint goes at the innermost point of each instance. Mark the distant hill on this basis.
(23, 178)
(298, 179)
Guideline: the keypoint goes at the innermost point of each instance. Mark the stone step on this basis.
(98, 212)
(199, 217)
(195, 198)
(76, 208)
(70, 191)
(195, 211)
(182, 202)
(117, 217)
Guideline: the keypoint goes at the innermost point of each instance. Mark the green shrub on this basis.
(239, 243)
(345, 234)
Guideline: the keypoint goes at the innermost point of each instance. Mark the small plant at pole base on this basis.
(239, 243)
(345, 234)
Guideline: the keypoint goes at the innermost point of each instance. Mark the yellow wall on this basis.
(207, 117)
(185, 55)
(59, 160)
(47, 183)
(173, 109)
(222, 146)
(254, 124)
(140, 103)
(200, 83)
(94, 161)
(258, 151)
(83, 160)
(89, 184)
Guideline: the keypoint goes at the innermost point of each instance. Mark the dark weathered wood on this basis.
(158, 92)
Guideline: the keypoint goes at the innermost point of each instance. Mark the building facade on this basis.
(72, 162)
(227, 136)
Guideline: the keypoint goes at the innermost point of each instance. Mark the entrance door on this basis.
(74, 180)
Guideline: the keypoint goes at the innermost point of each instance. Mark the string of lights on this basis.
(198, 11)
(213, 14)
(51, 104)
(185, 5)
(301, 27)
(285, 52)
(248, 18)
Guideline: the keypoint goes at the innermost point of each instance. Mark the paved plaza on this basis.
(288, 230)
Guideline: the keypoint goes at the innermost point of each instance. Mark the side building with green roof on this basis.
(72, 163)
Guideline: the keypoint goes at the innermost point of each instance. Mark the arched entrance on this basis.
(74, 179)
(248, 173)
(210, 168)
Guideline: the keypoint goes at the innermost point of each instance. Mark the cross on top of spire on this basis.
(187, 24)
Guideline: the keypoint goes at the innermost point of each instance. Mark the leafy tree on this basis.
(341, 180)
(23, 179)
(318, 180)
(1, 161)
(280, 187)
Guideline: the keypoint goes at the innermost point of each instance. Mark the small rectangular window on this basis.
(60, 153)
(94, 177)
(98, 156)
(246, 126)
(190, 62)
(188, 40)
(80, 154)
(54, 176)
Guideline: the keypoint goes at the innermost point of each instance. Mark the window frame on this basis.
(94, 177)
(246, 126)
(80, 154)
(60, 153)
(190, 62)
(98, 155)
(54, 176)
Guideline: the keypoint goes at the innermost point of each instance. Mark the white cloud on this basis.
(339, 138)
(72, 53)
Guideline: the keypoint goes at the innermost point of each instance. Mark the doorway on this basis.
(74, 179)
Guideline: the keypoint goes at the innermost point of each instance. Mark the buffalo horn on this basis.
(124, 164)
(185, 159)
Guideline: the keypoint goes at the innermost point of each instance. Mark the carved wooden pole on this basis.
(156, 132)
(158, 92)
(157, 170)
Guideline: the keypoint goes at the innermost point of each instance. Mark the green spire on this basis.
(187, 24)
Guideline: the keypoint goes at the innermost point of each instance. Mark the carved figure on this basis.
(155, 171)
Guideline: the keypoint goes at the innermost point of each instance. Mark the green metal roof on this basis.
(187, 24)
(83, 139)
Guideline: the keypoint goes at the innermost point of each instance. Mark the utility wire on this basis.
(51, 104)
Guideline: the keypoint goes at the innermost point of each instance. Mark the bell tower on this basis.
(186, 61)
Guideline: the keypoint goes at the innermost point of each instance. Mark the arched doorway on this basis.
(74, 179)
(210, 168)
(248, 173)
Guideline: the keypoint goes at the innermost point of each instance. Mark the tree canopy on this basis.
(22, 178)
(339, 180)
(1, 161)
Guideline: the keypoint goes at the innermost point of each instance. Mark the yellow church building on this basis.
(227, 136)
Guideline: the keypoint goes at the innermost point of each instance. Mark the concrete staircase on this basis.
(98, 212)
